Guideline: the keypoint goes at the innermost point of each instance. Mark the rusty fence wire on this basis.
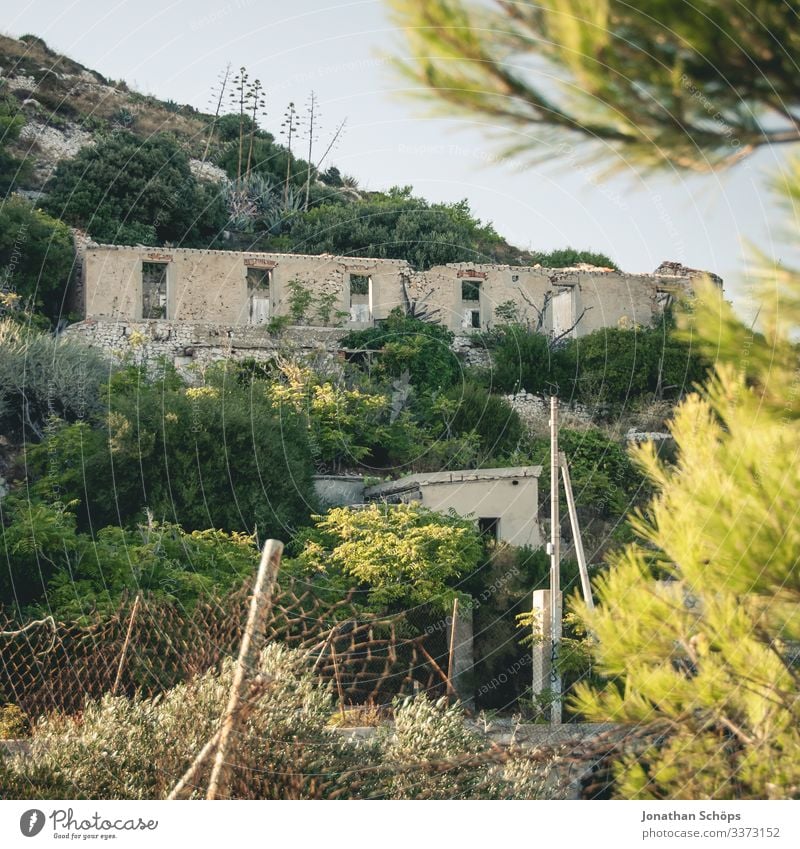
(148, 645)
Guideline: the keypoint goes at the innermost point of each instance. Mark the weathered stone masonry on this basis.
(200, 305)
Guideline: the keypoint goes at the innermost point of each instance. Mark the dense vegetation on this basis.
(126, 190)
(613, 365)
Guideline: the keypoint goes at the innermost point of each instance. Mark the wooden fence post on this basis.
(249, 651)
(124, 653)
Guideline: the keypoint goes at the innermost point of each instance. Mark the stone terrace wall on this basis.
(199, 343)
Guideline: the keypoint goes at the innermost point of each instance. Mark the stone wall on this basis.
(211, 286)
(200, 343)
(534, 410)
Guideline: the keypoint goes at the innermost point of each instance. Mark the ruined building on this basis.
(198, 305)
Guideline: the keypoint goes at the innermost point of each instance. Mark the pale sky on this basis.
(176, 50)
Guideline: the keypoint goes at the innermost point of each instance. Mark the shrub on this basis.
(604, 478)
(43, 376)
(567, 257)
(398, 554)
(475, 409)
(125, 190)
(12, 170)
(406, 344)
(523, 359)
(48, 558)
(215, 456)
(396, 225)
(139, 748)
(37, 255)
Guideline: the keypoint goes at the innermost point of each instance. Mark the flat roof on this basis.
(458, 476)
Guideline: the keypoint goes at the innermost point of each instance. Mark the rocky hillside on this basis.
(66, 104)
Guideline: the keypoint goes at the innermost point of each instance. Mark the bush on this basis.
(139, 748)
(125, 190)
(37, 254)
(12, 170)
(49, 561)
(611, 365)
(215, 456)
(523, 359)
(42, 376)
(604, 478)
(492, 418)
(397, 225)
(399, 554)
(408, 345)
(567, 257)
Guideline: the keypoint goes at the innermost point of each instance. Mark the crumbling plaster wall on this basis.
(211, 286)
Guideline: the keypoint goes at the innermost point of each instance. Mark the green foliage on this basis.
(49, 562)
(697, 617)
(300, 299)
(399, 554)
(568, 257)
(611, 365)
(215, 456)
(408, 345)
(12, 169)
(344, 424)
(523, 359)
(656, 80)
(138, 749)
(43, 376)
(500, 589)
(604, 478)
(397, 225)
(125, 190)
(497, 425)
(36, 254)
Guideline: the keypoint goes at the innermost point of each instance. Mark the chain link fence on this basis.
(148, 645)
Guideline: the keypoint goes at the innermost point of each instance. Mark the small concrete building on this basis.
(504, 502)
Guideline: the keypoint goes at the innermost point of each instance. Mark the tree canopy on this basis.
(397, 225)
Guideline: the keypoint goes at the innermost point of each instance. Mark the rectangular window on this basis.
(470, 290)
(258, 293)
(471, 320)
(489, 527)
(154, 290)
(563, 313)
(360, 298)
(259, 279)
(359, 284)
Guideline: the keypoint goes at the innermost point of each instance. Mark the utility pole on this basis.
(555, 568)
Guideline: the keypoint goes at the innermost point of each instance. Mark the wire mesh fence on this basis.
(148, 645)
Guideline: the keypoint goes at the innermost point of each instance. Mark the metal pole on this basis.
(576, 534)
(555, 568)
